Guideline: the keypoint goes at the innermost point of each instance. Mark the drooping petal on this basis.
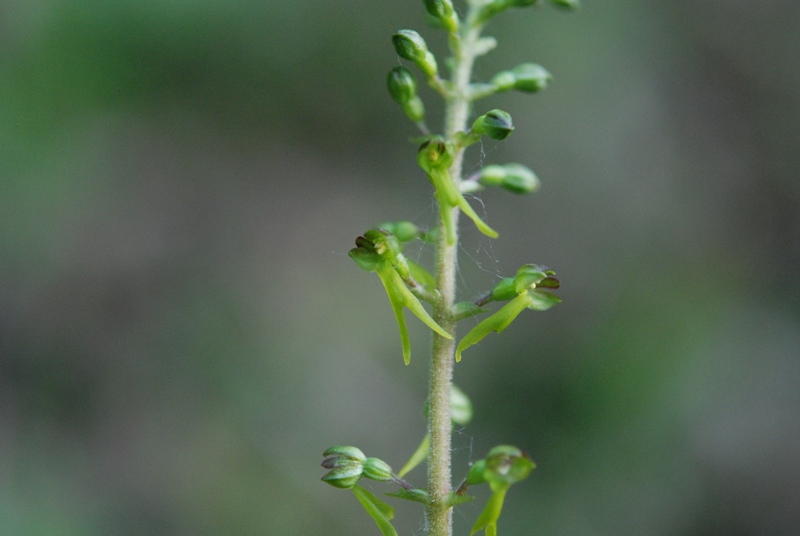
(497, 322)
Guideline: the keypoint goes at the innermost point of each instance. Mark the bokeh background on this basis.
(182, 332)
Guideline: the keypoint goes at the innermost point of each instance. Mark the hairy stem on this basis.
(439, 514)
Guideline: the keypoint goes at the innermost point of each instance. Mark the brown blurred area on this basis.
(182, 333)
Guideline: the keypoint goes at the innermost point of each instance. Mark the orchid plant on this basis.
(409, 285)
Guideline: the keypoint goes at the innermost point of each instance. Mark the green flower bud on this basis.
(402, 84)
(566, 4)
(435, 154)
(504, 81)
(415, 109)
(493, 8)
(346, 466)
(345, 476)
(405, 231)
(442, 11)
(410, 46)
(376, 469)
(531, 77)
(495, 124)
(515, 178)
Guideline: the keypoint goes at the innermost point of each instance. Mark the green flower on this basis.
(528, 286)
(379, 251)
(435, 156)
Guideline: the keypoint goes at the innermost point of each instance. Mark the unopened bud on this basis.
(402, 84)
(494, 7)
(495, 124)
(346, 466)
(566, 4)
(376, 469)
(411, 46)
(405, 231)
(442, 11)
(527, 77)
(515, 178)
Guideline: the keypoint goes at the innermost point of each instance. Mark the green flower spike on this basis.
(527, 285)
(379, 251)
(435, 157)
(503, 466)
(410, 46)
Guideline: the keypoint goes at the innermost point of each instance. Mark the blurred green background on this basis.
(182, 333)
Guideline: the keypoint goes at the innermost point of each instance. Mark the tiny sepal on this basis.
(346, 452)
